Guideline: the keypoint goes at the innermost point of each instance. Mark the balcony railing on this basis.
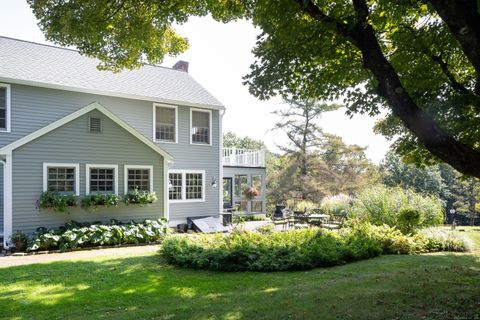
(243, 157)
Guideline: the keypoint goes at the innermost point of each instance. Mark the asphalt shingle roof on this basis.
(49, 65)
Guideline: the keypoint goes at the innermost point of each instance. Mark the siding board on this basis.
(35, 107)
(72, 143)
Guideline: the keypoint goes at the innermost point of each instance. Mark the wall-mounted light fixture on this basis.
(214, 182)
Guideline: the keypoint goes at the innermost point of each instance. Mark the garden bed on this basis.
(301, 249)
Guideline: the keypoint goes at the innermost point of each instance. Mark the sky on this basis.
(219, 56)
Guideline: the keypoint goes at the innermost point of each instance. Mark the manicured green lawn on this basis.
(433, 286)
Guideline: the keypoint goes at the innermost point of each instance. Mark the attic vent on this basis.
(95, 125)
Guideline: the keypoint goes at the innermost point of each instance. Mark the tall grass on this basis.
(381, 205)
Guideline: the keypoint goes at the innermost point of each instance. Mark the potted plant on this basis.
(20, 241)
(251, 193)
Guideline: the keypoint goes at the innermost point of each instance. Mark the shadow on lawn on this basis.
(437, 286)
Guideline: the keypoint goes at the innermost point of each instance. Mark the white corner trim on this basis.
(89, 166)
(93, 106)
(135, 166)
(209, 127)
(184, 185)
(166, 206)
(159, 105)
(7, 200)
(8, 107)
(220, 162)
(47, 165)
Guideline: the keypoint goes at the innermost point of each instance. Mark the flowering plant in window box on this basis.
(251, 193)
(56, 201)
(140, 197)
(91, 202)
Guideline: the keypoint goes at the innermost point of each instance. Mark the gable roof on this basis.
(93, 106)
(42, 65)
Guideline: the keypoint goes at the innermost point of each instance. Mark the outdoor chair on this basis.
(300, 220)
(335, 222)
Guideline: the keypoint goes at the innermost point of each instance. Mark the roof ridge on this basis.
(77, 51)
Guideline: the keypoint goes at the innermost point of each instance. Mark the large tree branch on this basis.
(463, 20)
(457, 86)
(462, 157)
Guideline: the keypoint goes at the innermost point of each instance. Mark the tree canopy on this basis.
(419, 59)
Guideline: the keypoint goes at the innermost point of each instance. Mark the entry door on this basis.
(227, 193)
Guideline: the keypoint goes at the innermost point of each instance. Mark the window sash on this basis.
(61, 179)
(200, 127)
(187, 186)
(241, 183)
(165, 123)
(175, 192)
(257, 182)
(138, 178)
(3, 107)
(257, 206)
(102, 180)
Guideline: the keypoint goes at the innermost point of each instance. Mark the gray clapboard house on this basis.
(66, 126)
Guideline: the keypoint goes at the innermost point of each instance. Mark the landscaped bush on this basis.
(293, 249)
(337, 205)
(396, 207)
(139, 197)
(62, 202)
(57, 202)
(446, 240)
(75, 235)
(93, 201)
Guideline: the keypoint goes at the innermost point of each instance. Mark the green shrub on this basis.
(57, 202)
(266, 228)
(139, 197)
(408, 220)
(74, 234)
(446, 240)
(395, 207)
(93, 201)
(294, 249)
(340, 204)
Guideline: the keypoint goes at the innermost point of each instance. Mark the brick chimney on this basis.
(181, 66)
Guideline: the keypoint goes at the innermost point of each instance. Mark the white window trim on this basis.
(135, 166)
(47, 165)
(88, 166)
(8, 103)
(155, 105)
(184, 185)
(209, 127)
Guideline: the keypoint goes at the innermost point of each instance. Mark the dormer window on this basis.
(4, 107)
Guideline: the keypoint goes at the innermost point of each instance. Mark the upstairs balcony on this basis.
(243, 157)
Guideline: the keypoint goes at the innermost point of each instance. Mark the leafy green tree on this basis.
(408, 176)
(419, 59)
(232, 140)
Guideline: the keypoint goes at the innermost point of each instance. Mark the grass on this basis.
(433, 286)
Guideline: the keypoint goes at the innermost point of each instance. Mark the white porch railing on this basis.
(243, 157)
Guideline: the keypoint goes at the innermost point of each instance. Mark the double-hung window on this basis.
(4, 107)
(201, 126)
(101, 178)
(165, 118)
(138, 177)
(186, 185)
(62, 178)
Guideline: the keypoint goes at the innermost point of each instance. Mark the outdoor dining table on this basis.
(317, 217)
